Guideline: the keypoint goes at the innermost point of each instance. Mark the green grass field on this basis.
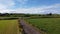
(9, 27)
(48, 25)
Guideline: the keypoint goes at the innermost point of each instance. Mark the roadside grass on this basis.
(48, 25)
(9, 27)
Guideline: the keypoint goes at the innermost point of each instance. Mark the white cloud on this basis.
(44, 9)
(32, 10)
(5, 4)
(6, 11)
(2, 6)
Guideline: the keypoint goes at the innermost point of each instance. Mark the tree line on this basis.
(27, 15)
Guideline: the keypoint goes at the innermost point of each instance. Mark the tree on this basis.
(26, 15)
(49, 14)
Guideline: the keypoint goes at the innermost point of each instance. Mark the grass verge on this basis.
(48, 25)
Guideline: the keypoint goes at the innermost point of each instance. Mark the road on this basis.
(28, 29)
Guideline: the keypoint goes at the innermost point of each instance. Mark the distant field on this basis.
(9, 27)
(48, 25)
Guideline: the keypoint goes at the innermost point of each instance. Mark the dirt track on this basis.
(28, 29)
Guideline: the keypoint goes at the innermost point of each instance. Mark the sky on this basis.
(30, 6)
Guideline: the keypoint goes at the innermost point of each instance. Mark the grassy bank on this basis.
(48, 25)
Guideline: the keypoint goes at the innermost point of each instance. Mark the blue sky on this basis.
(30, 6)
(35, 3)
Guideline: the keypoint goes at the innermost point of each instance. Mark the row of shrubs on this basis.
(7, 18)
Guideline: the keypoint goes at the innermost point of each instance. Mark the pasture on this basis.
(48, 25)
(9, 27)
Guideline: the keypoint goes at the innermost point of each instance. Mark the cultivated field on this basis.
(48, 25)
(9, 27)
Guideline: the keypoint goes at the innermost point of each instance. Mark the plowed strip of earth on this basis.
(28, 29)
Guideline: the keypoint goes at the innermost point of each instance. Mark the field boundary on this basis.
(41, 32)
(27, 28)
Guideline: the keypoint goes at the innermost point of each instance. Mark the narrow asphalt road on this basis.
(28, 29)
